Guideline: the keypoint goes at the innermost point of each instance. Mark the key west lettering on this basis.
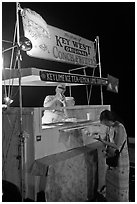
(71, 78)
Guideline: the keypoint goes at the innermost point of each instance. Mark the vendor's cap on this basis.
(61, 86)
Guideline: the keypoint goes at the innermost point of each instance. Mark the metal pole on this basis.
(69, 88)
(5, 94)
(7, 41)
(70, 92)
(99, 68)
(90, 88)
(86, 85)
(77, 68)
(21, 156)
(9, 48)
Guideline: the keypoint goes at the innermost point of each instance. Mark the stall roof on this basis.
(29, 77)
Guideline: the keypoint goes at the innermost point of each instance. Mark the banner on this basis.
(71, 78)
(51, 43)
(113, 84)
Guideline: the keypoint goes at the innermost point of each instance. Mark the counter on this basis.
(60, 159)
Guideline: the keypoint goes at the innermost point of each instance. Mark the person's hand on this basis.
(63, 98)
(60, 97)
(95, 134)
(99, 138)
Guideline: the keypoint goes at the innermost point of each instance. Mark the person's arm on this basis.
(111, 144)
(118, 139)
(49, 101)
(63, 101)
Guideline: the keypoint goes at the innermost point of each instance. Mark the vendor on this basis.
(56, 103)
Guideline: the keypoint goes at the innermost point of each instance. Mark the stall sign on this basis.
(55, 44)
(71, 78)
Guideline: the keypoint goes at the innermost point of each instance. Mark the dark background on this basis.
(113, 22)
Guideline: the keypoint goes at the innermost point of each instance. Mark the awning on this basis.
(29, 77)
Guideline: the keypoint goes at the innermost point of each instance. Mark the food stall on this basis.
(62, 159)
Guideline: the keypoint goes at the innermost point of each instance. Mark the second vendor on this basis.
(56, 103)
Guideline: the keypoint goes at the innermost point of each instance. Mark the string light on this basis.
(25, 44)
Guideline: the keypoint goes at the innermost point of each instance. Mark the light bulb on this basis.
(7, 100)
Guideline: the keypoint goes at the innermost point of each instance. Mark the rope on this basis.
(86, 85)
(13, 80)
(5, 90)
(11, 86)
(7, 41)
(15, 93)
(90, 89)
(12, 58)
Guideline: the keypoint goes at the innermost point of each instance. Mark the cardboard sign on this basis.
(54, 44)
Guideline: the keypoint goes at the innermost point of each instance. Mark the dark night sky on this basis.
(113, 22)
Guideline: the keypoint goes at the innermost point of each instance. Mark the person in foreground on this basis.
(56, 103)
(117, 178)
